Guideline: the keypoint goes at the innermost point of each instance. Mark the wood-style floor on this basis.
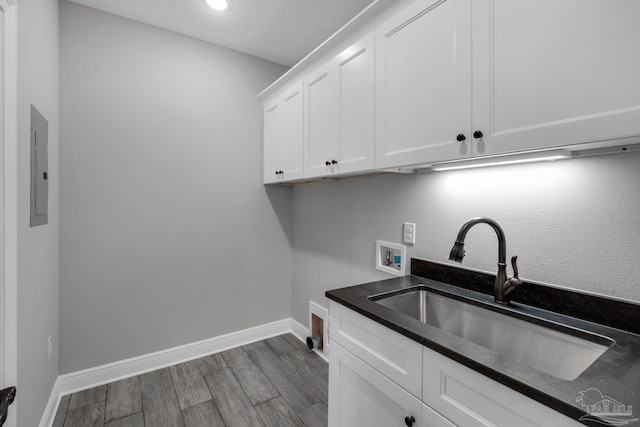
(275, 382)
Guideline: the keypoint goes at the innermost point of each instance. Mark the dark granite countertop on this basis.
(615, 374)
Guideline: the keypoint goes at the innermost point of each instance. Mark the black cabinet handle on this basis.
(460, 137)
(328, 163)
(409, 421)
(279, 172)
(478, 134)
(334, 162)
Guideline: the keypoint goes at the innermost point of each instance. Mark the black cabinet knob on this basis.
(328, 163)
(334, 162)
(478, 134)
(409, 421)
(460, 137)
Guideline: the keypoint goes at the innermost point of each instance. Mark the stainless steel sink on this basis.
(558, 353)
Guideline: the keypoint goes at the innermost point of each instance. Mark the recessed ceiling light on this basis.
(218, 4)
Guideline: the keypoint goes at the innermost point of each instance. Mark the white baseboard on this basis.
(50, 410)
(299, 330)
(104, 374)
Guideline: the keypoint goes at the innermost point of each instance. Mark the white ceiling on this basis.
(282, 31)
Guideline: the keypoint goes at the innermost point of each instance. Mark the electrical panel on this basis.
(39, 168)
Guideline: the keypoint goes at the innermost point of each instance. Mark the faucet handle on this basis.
(514, 264)
(515, 281)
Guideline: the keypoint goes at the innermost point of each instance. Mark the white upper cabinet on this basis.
(437, 80)
(505, 75)
(339, 113)
(283, 136)
(554, 73)
(423, 83)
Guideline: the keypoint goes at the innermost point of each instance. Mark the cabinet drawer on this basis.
(390, 353)
(471, 399)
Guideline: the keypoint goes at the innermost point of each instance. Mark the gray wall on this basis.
(572, 223)
(167, 234)
(37, 247)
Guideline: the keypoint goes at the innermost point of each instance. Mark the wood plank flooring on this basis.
(277, 382)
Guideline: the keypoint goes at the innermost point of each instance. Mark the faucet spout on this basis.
(457, 252)
(502, 287)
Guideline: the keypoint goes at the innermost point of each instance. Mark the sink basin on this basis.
(565, 353)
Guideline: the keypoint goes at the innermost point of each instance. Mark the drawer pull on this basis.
(409, 421)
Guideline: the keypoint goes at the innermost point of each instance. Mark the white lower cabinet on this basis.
(431, 418)
(372, 368)
(393, 355)
(470, 399)
(361, 396)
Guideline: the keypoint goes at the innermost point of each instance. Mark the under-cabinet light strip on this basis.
(536, 156)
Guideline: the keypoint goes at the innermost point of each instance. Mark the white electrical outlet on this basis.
(50, 345)
(409, 232)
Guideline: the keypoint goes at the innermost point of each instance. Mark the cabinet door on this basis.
(355, 69)
(361, 396)
(283, 136)
(274, 144)
(321, 118)
(551, 73)
(423, 84)
(293, 132)
(339, 113)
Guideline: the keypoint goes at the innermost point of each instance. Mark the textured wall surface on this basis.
(572, 223)
(167, 234)
(38, 246)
